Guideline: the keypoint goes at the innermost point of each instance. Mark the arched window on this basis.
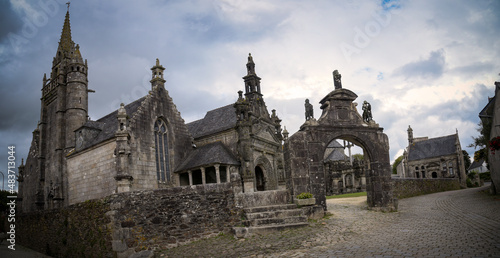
(161, 147)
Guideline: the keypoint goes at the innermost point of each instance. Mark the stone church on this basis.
(145, 144)
(439, 157)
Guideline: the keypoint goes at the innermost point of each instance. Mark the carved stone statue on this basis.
(367, 112)
(337, 79)
(309, 110)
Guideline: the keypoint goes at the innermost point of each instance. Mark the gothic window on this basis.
(450, 168)
(161, 155)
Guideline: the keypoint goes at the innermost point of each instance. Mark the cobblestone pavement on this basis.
(463, 223)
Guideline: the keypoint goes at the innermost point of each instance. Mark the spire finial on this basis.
(157, 62)
(250, 65)
(66, 42)
(68, 3)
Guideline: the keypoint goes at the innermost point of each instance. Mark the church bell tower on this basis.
(64, 108)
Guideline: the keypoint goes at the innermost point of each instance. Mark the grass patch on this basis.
(346, 195)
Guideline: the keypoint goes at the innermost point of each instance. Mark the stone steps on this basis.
(270, 208)
(274, 214)
(266, 219)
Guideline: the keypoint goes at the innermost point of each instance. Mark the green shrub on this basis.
(469, 182)
(305, 196)
(485, 176)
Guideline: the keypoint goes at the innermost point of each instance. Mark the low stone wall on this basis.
(76, 231)
(123, 224)
(408, 187)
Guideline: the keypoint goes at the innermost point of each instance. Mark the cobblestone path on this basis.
(463, 223)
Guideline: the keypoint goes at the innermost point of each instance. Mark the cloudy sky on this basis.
(428, 64)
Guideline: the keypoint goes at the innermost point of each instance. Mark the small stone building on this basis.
(145, 144)
(439, 157)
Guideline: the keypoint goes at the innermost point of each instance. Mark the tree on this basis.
(359, 157)
(466, 159)
(484, 130)
(396, 163)
(482, 140)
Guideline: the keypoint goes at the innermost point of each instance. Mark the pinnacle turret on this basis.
(252, 81)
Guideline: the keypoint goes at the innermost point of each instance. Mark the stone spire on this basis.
(65, 43)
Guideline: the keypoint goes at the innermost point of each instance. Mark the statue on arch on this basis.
(309, 110)
(367, 112)
(337, 79)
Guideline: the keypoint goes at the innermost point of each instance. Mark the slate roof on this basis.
(211, 153)
(336, 155)
(335, 144)
(108, 124)
(215, 121)
(488, 109)
(337, 152)
(431, 148)
(476, 164)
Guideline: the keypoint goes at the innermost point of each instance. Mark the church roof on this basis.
(215, 121)
(108, 124)
(434, 147)
(335, 144)
(212, 153)
(336, 155)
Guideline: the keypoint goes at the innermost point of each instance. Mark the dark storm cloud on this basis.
(10, 22)
(430, 68)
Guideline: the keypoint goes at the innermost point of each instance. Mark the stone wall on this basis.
(75, 231)
(92, 173)
(409, 187)
(123, 224)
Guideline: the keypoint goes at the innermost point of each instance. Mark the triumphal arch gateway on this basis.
(304, 150)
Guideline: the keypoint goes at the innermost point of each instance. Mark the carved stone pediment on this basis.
(267, 133)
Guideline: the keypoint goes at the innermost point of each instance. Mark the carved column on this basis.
(190, 177)
(122, 152)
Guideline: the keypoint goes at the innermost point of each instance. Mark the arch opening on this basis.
(259, 179)
(345, 165)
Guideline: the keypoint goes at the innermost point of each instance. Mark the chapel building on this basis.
(439, 157)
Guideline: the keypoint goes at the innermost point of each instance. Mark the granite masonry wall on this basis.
(76, 231)
(92, 173)
(408, 187)
(127, 223)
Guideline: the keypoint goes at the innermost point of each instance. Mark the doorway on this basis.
(259, 178)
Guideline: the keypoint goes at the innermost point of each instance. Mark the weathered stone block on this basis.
(305, 202)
